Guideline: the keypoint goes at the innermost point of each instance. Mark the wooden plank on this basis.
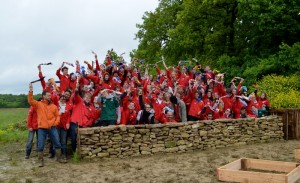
(235, 165)
(294, 175)
(279, 166)
(298, 124)
(250, 177)
(297, 153)
(287, 126)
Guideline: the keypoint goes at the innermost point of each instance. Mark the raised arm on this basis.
(31, 101)
(43, 83)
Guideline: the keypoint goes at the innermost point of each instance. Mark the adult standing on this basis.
(48, 118)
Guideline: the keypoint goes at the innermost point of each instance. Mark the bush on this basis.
(282, 91)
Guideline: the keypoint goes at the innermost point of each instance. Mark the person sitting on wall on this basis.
(243, 112)
(146, 115)
(168, 116)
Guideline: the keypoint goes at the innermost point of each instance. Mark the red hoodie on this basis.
(32, 119)
(83, 114)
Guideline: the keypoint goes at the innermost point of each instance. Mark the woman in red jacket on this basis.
(65, 109)
(32, 126)
(83, 114)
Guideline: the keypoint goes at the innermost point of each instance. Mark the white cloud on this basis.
(34, 31)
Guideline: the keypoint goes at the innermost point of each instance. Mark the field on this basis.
(13, 125)
(197, 166)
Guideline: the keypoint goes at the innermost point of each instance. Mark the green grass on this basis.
(13, 125)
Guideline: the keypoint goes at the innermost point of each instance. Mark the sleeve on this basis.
(90, 67)
(95, 79)
(43, 83)
(108, 61)
(183, 112)
(57, 116)
(119, 113)
(97, 65)
(31, 101)
(169, 74)
(142, 105)
(157, 70)
(58, 73)
(239, 88)
(77, 98)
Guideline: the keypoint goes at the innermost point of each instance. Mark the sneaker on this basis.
(26, 157)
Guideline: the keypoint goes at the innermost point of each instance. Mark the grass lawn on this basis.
(13, 126)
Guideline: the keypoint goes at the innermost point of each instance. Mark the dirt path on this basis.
(198, 166)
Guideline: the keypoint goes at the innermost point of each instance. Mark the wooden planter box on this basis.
(297, 153)
(259, 171)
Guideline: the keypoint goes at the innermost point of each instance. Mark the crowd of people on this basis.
(116, 93)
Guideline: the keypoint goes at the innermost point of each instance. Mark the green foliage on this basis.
(282, 91)
(15, 101)
(13, 127)
(242, 38)
(75, 158)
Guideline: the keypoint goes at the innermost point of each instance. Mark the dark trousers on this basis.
(30, 140)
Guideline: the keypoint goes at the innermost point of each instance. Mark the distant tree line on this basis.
(15, 101)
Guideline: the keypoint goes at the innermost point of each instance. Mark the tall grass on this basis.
(13, 125)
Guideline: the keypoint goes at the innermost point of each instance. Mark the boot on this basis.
(41, 158)
(58, 156)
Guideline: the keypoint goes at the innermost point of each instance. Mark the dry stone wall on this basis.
(128, 141)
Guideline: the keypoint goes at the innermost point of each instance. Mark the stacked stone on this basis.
(128, 141)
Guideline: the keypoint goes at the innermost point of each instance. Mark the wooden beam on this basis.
(269, 165)
(293, 176)
(235, 165)
(250, 177)
(297, 153)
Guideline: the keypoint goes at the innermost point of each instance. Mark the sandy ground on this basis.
(197, 166)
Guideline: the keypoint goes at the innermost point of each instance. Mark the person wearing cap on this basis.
(64, 77)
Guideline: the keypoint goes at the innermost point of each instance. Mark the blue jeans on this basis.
(62, 133)
(30, 140)
(42, 134)
(73, 135)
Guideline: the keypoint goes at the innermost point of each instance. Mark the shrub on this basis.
(282, 91)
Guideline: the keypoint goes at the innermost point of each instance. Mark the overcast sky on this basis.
(39, 31)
